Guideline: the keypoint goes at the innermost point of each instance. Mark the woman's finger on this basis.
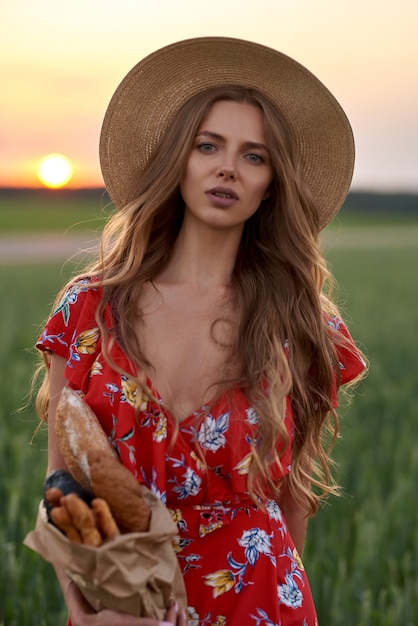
(182, 619)
(175, 616)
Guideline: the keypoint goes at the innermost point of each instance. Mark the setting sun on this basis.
(55, 170)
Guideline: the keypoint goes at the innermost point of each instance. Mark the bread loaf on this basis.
(95, 465)
(79, 430)
(114, 483)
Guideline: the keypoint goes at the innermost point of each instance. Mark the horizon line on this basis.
(102, 189)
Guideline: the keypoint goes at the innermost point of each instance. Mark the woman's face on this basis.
(229, 168)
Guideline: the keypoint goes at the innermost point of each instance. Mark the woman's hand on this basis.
(81, 614)
(174, 616)
(296, 517)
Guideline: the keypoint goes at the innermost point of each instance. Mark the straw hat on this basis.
(154, 90)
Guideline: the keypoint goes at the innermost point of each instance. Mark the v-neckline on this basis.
(213, 404)
(199, 410)
(156, 394)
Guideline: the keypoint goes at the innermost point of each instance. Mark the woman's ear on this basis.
(268, 192)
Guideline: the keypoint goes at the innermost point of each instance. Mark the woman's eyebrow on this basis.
(247, 144)
(208, 133)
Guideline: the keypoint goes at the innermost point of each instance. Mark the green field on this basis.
(362, 549)
(51, 210)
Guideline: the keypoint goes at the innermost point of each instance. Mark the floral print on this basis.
(221, 581)
(211, 435)
(238, 560)
(86, 341)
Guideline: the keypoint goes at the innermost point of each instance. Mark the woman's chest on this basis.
(187, 343)
(163, 454)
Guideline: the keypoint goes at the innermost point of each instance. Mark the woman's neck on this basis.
(203, 258)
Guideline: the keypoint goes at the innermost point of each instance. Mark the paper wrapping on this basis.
(134, 573)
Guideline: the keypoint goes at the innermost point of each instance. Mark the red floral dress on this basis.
(239, 562)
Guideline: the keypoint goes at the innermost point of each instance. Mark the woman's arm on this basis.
(296, 517)
(57, 382)
(80, 612)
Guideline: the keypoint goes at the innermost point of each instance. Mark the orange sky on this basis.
(60, 63)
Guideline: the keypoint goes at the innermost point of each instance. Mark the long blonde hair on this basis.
(278, 284)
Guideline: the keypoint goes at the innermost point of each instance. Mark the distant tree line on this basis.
(361, 201)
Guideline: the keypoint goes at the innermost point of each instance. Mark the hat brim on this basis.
(158, 86)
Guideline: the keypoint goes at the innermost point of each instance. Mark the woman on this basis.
(202, 337)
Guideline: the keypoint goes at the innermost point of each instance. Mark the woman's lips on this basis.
(222, 196)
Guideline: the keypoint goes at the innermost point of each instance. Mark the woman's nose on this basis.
(227, 172)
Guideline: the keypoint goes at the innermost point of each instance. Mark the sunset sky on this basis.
(60, 63)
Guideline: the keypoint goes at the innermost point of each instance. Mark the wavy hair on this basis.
(283, 343)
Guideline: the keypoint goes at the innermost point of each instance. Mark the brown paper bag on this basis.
(135, 573)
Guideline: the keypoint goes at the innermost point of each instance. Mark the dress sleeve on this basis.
(72, 333)
(351, 363)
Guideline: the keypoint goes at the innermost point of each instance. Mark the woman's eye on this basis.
(206, 147)
(255, 158)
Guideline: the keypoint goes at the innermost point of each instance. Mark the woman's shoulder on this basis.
(74, 313)
(81, 293)
(351, 361)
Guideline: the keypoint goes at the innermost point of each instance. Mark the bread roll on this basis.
(79, 430)
(62, 520)
(83, 519)
(104, 519)
(53, 496)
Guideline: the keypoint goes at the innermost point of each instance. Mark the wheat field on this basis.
(362, 549)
